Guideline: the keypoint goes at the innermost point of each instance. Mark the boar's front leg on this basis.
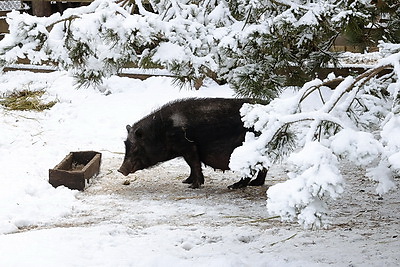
(184, 146)
(196, 177)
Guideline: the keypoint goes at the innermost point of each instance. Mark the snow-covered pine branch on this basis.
(256, 46)
(358, 121)
(96, 41)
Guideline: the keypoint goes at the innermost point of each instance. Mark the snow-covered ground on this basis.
(156, 220)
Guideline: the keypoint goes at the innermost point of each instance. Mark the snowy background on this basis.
(157, 220)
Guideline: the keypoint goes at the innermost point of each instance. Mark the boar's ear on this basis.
(128, 127)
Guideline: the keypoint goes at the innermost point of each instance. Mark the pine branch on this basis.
(317, 87)
(364, 77)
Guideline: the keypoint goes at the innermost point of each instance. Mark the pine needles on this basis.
(26, 100)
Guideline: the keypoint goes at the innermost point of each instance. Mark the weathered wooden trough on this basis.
(76, 169)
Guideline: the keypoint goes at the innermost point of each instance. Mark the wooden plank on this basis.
(3, 25)
(48, 69)
(45, 8)
(41, 8)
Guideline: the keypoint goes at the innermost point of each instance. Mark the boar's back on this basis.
(214, 125)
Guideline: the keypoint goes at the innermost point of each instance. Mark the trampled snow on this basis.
(156, 220)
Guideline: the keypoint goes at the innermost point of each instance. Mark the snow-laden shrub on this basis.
(358, 121)
(97, 41)
(91, 42)
(256, 46)
(314, 175)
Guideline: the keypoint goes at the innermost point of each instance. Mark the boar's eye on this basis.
(127, 145)
(139, 133)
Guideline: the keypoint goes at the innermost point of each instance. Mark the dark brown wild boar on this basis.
(199, 130)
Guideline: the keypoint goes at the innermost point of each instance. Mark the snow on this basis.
(361, 148)
(168, 52)
(314, 175)
(82, 120)
(157, 220)
(390, 133)
(151, 218)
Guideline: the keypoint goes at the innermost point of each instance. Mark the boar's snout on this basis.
(123, 171)
(126, 167)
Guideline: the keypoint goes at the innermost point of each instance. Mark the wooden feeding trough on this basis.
(75, 170)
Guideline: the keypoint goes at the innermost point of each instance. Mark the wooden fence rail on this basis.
(142, 74)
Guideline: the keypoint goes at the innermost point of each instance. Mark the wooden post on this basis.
(41, 8)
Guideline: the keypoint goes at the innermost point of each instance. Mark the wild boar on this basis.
(200, 130)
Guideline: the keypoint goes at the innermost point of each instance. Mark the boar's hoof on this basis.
(194, 186)
(241, 184)
(256, 182)
(189, 180)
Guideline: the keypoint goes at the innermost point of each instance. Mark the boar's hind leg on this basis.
(196, 177)
(260, 179)
(241, 184)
